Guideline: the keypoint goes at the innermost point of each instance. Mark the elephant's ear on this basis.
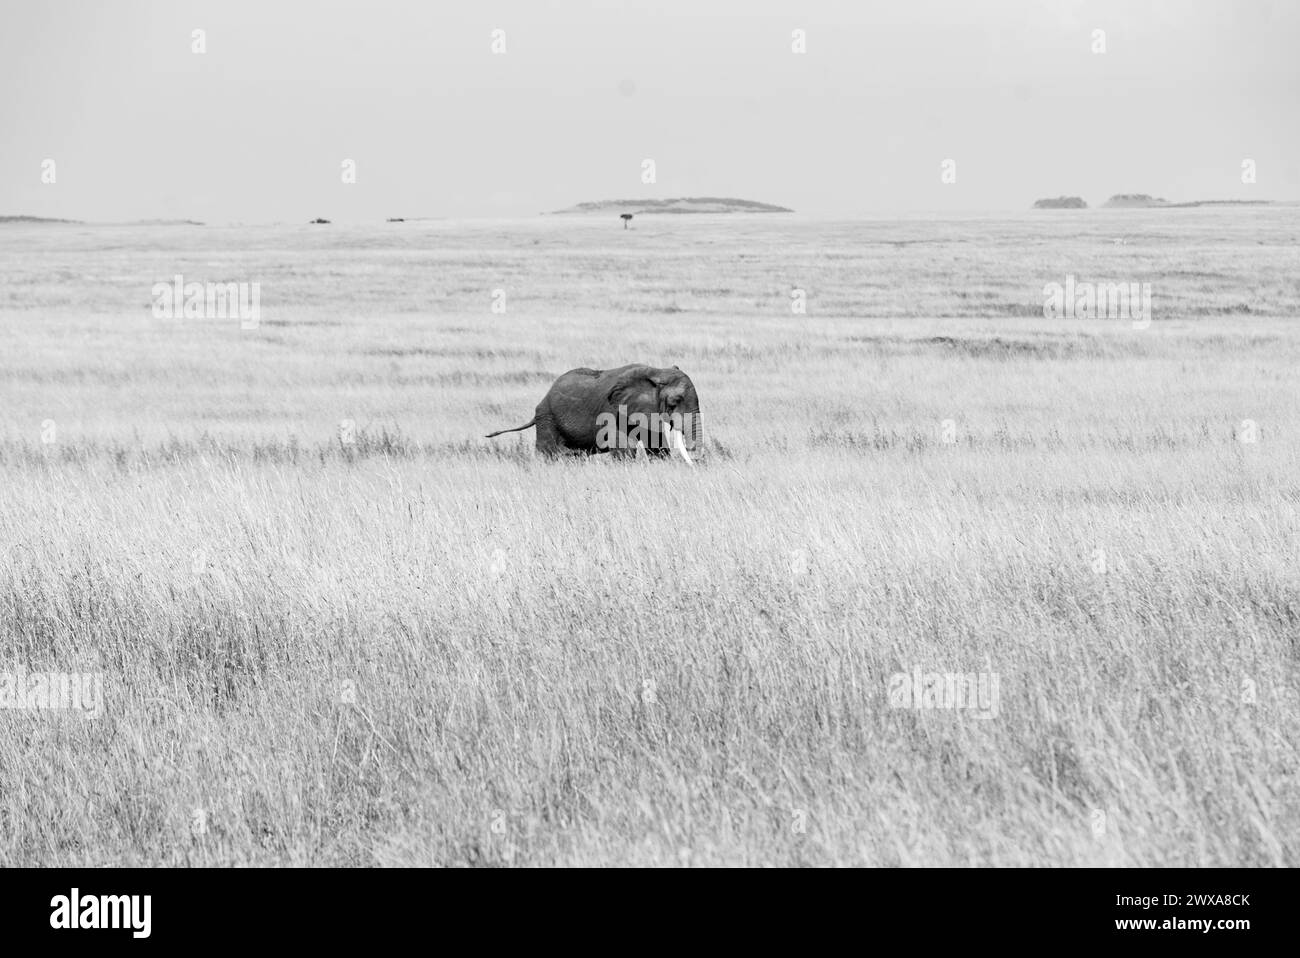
(635, 387)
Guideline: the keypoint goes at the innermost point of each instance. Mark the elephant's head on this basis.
(667, 398)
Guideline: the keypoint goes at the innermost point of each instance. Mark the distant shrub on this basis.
(1061, 203)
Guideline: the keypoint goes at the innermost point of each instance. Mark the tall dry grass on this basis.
(424, 648)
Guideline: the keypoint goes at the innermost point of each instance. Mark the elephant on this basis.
(619, 411)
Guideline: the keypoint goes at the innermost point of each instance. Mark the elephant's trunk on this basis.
(693, 432)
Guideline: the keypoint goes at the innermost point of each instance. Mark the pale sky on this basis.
(256, 128)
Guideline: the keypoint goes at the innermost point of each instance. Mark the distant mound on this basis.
(33, 219)
(1143, 201)
(1061, 203)
(1134, 200)
(1175, 206)
(46, 219)
(681, 204)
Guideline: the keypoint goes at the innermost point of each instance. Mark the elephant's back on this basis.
(586, 376)
(582, 372)
(586, 387)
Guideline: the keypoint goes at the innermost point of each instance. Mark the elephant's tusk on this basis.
(675, 441)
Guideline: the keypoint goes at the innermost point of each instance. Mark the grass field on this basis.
(393, 642)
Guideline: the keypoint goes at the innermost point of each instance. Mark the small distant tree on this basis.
(626, 218)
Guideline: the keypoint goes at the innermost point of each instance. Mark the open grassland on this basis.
(410, 645)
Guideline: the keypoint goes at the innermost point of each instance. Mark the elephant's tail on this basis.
(528, 425)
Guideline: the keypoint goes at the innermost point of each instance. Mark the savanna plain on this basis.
(336, 626)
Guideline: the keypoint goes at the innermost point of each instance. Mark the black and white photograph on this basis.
(669, 434)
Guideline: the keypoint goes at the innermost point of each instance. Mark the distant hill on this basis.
(1061, 203)
(1143, 201)
(47, 219)
(1130, 200)
(1175, 206)
(681, 204)
(33, 219)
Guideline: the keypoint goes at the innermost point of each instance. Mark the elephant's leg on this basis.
(548, 439)
(635, 438)
(630, 445)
